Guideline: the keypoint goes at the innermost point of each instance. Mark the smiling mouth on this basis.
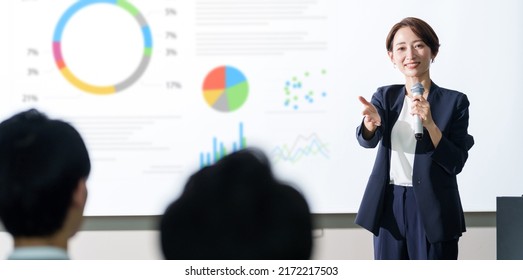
(412, 64)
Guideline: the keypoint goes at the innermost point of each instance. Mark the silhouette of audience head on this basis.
(236, 209)
(44, 164)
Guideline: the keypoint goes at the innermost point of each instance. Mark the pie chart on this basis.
(225, 88)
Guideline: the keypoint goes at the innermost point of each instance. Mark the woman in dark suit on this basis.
(411, 202)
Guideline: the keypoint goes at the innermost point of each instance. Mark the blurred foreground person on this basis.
(236, 209)
(44, 165)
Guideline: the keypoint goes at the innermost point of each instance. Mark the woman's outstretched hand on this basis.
(372, 118)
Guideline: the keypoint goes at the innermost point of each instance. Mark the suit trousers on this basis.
(402, 235)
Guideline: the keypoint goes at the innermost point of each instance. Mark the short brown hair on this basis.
(420, 28)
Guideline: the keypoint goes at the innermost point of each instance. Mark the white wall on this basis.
(348, 243)
(330, 244)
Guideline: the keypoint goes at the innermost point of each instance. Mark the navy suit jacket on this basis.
(434, 169)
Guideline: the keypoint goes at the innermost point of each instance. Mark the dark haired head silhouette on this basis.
(236, 209)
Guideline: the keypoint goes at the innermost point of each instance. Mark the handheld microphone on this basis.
(417, 90)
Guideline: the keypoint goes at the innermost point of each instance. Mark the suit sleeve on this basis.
(452, 151)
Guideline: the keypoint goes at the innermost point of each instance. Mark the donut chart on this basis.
(102, 89)
(225, 88)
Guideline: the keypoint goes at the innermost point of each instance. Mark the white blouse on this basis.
(403, 147)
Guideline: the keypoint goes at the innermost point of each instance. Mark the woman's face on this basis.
(410, 54)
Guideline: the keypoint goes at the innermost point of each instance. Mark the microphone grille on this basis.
(417, 89)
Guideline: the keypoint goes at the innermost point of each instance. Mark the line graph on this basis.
(302, 147)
